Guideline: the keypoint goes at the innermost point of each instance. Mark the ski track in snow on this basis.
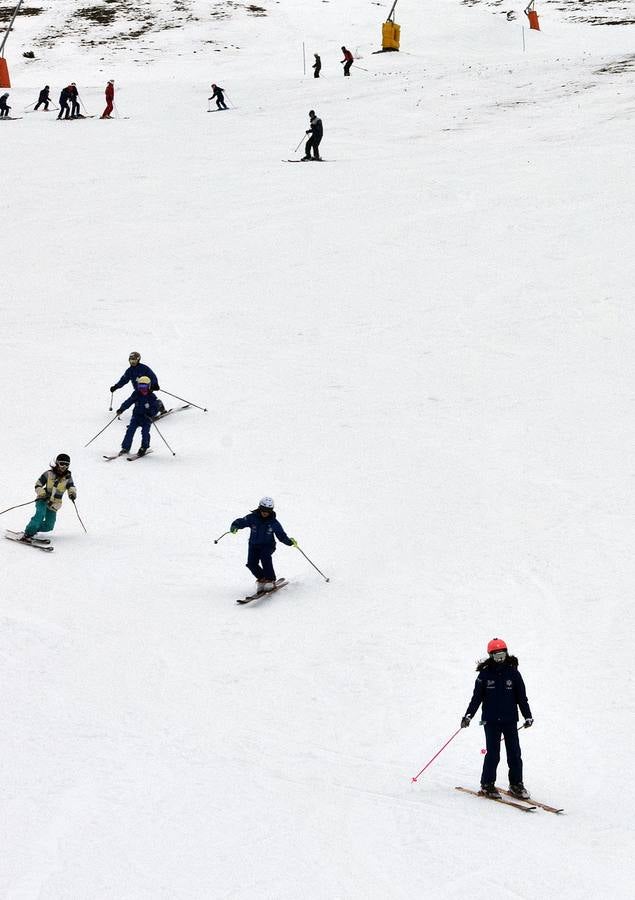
(423, 352)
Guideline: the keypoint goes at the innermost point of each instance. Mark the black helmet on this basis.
(311, 112)
(63, 458)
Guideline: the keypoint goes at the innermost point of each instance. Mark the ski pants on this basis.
(143, 423)
(220, 103)
(75, 109)
(312, 144)
(64, 109)
(43, 519)
(4, 111)
(493, 733)
(347, 67)
(108, 109)
(259, 562)
(43, 102)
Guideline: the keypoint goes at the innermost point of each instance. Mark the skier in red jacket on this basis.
(110, 98)
(347, 61)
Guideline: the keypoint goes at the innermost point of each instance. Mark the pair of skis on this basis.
(37, 543)
(130, 456)
(529, 805)
(280, 583)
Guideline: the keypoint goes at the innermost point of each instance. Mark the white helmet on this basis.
(266, 503)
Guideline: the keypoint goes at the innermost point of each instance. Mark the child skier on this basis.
(501, 689)
(5, 109)
(49, 491)
(264, 529)
(146, 407)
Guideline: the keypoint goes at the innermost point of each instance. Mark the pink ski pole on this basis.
(436, 754)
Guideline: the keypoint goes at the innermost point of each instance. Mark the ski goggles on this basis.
(499, 656)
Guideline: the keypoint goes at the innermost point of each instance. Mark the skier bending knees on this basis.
(264, 528)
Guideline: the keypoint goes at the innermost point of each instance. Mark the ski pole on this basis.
(164, 440)
(112, 394)
(30, 105)
(16, 507)
(102, 430)
(303, 138)
(436, 754)
(189, 402)
(215, 541)
(79, 517)
(312, 563)
(83, 107)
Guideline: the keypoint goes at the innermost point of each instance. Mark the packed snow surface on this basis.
(422, 349)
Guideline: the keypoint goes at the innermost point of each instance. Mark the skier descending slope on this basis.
(316, 130)
(146, 407)
(264, 529)
(501, 689)
(49, 491)
(134, 371)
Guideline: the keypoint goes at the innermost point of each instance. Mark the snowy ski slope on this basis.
(423, 351)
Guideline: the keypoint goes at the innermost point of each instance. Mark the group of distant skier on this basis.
(69, 102)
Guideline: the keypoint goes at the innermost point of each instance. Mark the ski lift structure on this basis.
(390, 32)
(5, 80)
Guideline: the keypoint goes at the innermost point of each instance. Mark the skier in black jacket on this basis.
(317, 66)
(5, 109)
(316, 131)
(501, 689)
(219, 94)
(65, 96)
(43, 99)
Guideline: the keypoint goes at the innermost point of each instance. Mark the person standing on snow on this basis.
(110, 99)
(218, 93)
(4, 107)
(316, 131)
(49, 491)
(134, 371)
(146, 408)
(73, 95)
(65, 96)
(348, 60)
(317, 66)
(43, 99)
(501, 689)
(264, 529)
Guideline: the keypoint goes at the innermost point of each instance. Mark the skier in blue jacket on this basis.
(146, 407)
(501, 689)
(264, 528)
(134, 371)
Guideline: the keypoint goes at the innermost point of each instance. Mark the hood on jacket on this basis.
(488, 663)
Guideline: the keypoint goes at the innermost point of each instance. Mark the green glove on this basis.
(294, 543)
(234, 530)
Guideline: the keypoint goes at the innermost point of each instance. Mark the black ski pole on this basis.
(189, 402)
(102, 430)
(112, 394)
(312, 563)
(215, 541)
(164, 440)
(30, 105)
(16, 507)
(303, 138)
(79, 517)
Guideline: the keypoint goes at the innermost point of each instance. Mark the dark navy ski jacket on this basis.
(501, 690)
(133, 372)
(262, 531)
(145, 406)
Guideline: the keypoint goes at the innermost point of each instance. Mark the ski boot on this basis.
(141, 451)
(519, 790)
(491, 791)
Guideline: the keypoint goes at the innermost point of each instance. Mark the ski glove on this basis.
(40, 495)
(72, 494)
(120, 412)
(294, 543)
(113, 389)
(234, 530)
(465, 721)
(528, 723)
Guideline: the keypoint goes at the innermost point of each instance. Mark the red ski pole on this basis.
(436, 754)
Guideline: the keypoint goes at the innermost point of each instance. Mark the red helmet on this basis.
(495, 645)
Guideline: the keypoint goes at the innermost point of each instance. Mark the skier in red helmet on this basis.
(501, 689)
